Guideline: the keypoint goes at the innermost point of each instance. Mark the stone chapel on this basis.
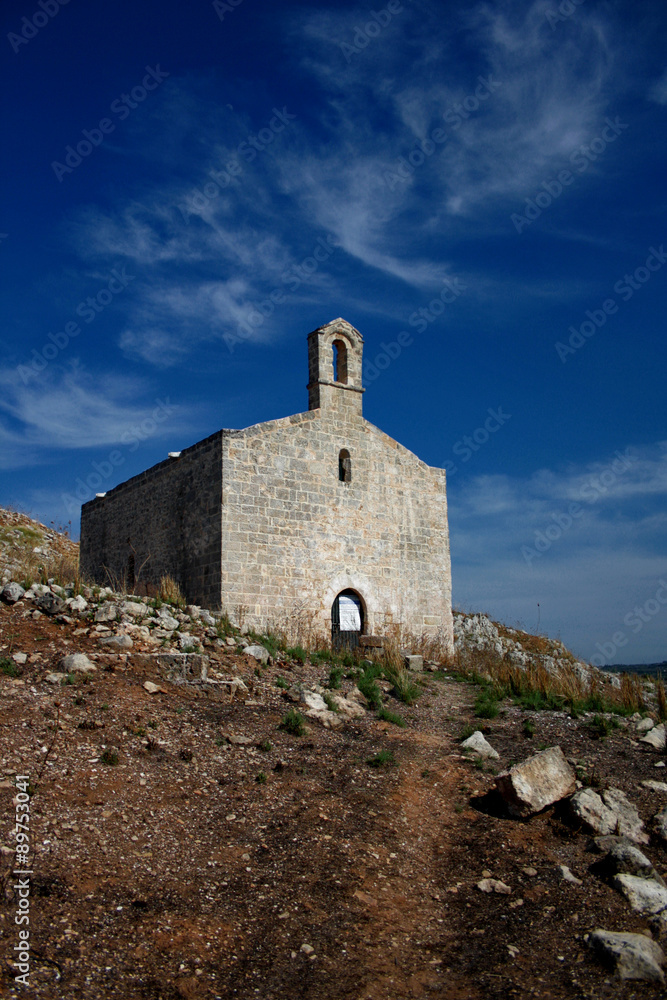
(319, 514)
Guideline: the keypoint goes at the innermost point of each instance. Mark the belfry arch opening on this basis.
(340, 361)
(347, 620)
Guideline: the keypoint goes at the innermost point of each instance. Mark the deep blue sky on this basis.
(504, 161)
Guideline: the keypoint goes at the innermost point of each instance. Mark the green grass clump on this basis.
(387, 716)
(261, 778)
(109, 757)
(8, 667)
(381, 758)
(293, 723)
(528, 728)
(602, 726)
(335, 678)
(486, 703)
(466, 732)
(368, 686)
(297, 653)
(282, 683)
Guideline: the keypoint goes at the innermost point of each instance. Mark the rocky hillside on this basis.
(212, 814)
(29, 550)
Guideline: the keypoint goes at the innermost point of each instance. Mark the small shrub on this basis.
(370, 690)
(405, 688)
(601, 726)
(8, 667)
(528, 728)
(320, 656)
(282, 683)
(261, 778)
(266, 745)
(466, 732)
(297, 653)
(109, 757)
(335, 678)
(105, 708)
(392, 717)
(293, 723)
(381, 758)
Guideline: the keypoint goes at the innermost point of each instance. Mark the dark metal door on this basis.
(345, 637)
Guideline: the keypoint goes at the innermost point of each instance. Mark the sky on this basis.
(479, 188)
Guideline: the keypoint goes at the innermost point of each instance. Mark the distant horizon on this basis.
(478, 188)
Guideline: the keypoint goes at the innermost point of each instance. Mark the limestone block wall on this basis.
(294, 536)
(169, 516)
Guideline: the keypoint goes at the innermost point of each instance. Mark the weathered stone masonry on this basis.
(261, 518)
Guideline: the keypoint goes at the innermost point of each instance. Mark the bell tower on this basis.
(334, 368)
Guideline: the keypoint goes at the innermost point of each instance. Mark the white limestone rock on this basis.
(258, 653)
(645, 895)
(634, 956)
(77, 663)
(479, 744)
(655, 737)
(537, 782)
(12, 592)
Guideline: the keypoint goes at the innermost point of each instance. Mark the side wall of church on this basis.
(167, 520)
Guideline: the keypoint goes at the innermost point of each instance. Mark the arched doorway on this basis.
(347, 620)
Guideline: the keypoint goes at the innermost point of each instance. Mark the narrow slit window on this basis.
(344, 466)
(340, 361)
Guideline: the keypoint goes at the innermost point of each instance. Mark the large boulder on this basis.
(624, 858)
(50, 604)
(258, 653)
(77, 663)
(537, 782)
(610, 812)
(645, 895)
(634, 956)
(106, 612)
(12, 592)
(117, 641)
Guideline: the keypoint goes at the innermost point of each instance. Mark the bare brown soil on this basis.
(179, 872)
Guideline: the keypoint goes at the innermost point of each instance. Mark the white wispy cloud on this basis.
(68, 408)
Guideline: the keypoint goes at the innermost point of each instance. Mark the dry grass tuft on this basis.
(170, 592)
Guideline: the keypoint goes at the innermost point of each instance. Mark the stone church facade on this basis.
(272, 523)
